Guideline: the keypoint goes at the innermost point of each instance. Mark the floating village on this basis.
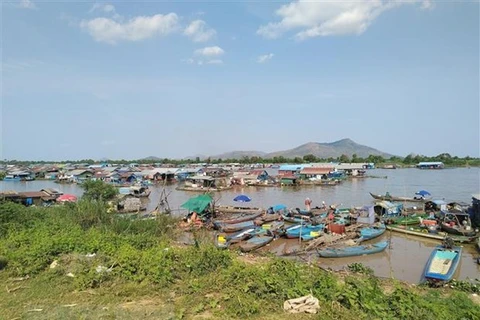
(325, 230)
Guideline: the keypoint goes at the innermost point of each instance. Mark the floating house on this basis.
(291, 169)
(430, 165)
(315, 173)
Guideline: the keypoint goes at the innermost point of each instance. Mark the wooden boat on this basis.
(412, 219)
(232, 227)
(368, 233)
(392, 198)
(233, 209)
(442, 263)
(238, 218)
(304, 230)
(353, 251)
(255, 243)
(422, 232)
(223, 240)
(267, 218)
(296, 219)
(457, 223)
(203, 189)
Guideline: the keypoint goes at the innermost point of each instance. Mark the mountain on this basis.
(320, 150)
(152, 158)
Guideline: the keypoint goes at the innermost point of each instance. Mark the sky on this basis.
(172, 79)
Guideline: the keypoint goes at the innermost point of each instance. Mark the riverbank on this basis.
(81, 261)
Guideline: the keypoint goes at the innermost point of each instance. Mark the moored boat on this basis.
(255, 243)
(371, 232)
(442, 263)
(353, 251)
(234, 209)
(424, 233)
(238, 218)
(232, 227)
(457, 223)
(306, 231)
(388, 197)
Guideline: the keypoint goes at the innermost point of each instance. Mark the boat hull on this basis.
(353, 251)
(442, 263)
(255, 243)
(445, 227)
(369, 233)
(392, 198)
(424, 234)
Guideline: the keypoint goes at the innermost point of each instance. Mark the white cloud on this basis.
(327, 18)
(136, 29)
(215, 61)
(105, 7)
(264, 58)
(27, 4)
(198, 31)
(210, 51)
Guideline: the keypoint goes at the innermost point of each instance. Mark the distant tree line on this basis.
(446, 158)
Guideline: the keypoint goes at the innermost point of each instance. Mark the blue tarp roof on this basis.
(292, 167)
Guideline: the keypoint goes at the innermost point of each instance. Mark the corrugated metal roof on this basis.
(317, 170)
(430, 163)
(292, 167)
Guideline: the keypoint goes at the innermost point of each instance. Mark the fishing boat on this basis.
(232, 227)
(296, 219)
(223, 240)
(234, 209)
(267, 218)
(304, 230)
(424, 233)
(353, 251)
(443, 262)
(388, 197)
(411, 219)
(457, 223)
(238, 218)
(255, 243)
(374, 231)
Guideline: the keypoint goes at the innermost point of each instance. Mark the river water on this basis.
(406, 255)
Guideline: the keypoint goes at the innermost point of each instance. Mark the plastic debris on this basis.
(90, 255)
(54, 264)
(71, 275)
(307, 304)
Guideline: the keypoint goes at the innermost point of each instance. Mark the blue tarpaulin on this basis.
(242, 198)
(423, 193)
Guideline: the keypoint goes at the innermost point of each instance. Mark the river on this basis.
(406, 255)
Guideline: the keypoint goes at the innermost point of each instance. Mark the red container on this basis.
(337, 228)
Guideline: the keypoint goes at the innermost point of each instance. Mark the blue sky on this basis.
(175, 79)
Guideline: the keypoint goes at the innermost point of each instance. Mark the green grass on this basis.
(147, 274)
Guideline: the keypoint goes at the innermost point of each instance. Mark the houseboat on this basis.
(430, 165)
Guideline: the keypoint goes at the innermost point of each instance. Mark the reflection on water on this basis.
(406, 256)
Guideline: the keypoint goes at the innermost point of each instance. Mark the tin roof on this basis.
(317, 170)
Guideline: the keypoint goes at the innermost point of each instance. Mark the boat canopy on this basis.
(198, 203)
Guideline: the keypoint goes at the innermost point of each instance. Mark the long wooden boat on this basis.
(353, 251)
(255, 243)
(233, 209)
(238, 218)
(199, 189)
(304, 230)
(223, 240)
(419, 232)
(412, 219)
(442, 263)
(267, 218)
(392, 198)
(232, 227)
(368, 233)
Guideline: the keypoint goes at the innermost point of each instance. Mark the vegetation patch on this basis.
(79, 261)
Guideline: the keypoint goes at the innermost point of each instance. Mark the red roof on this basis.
(317, 170)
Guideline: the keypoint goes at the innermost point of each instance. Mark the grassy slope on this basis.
(153, 277)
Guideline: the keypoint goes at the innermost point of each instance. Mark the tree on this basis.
(98, 190)
(297, 160)
(344, 158)
(354, 158)
(309, 158)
